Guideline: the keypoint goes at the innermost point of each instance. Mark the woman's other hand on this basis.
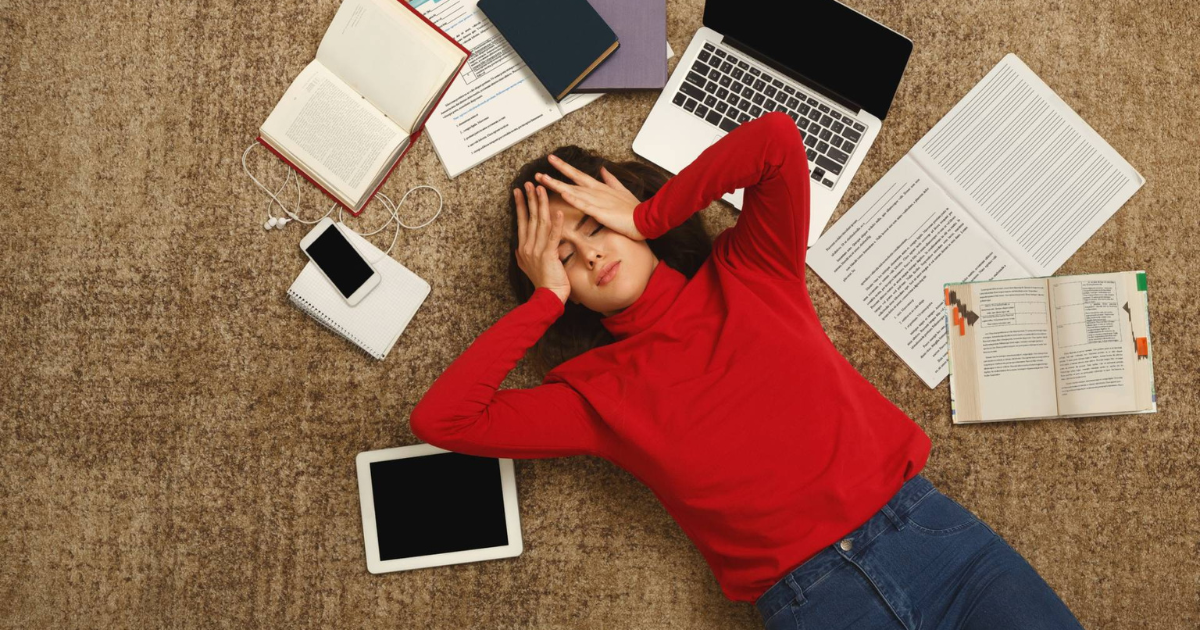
(609, 202)
(537, 236)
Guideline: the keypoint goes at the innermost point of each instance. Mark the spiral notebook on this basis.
(375, 323)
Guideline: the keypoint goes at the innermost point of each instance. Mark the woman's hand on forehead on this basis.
(608, 201)
(538, 234)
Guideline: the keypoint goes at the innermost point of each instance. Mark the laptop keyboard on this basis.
(725, 89)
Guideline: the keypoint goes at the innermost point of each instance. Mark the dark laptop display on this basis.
(850, 56)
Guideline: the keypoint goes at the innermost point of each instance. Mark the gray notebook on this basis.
(639, 64)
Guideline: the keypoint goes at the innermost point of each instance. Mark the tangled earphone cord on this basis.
(393, 208)
(273, 195)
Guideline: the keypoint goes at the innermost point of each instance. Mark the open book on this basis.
(1008, 184)
(351, 114)
(1065, 346)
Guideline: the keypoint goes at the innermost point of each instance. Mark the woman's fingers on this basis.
(531, 229)
(544, 204)
(556, 231)
(576, 175)
(543, 212)
(581, 198)
(553, 184)
(611, 180)
(521, 220)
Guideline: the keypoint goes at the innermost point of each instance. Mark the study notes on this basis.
(1008, 184)
(496, 101)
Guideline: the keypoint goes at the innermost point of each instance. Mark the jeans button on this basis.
(846, 544)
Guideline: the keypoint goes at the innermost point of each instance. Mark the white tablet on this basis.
(423, 506)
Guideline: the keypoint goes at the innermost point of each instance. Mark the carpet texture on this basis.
(177, 442)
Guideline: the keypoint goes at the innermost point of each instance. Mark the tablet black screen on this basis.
(437, 504)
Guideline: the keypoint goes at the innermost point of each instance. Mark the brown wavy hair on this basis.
(578, 330)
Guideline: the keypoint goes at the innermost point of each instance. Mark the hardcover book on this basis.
(560, 40)
(639, 64)
(350, 115)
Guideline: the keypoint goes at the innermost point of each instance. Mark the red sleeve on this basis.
(766, 157)
(464, 411)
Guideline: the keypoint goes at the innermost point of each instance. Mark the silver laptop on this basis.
(833, 70)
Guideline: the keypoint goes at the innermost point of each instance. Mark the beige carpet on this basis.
(177, 442)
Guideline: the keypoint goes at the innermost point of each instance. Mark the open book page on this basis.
(1001, 349)
(889, 256)
(1094, 344)
(324, 126)
(389, 56)
(1027, 167)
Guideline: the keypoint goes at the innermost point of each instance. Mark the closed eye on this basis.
(599, 226)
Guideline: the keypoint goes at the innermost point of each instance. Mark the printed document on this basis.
(496, 101)
(1008, 184)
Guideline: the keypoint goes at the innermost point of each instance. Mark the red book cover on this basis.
(416, 133)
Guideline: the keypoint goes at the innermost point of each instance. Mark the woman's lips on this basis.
(609, 275)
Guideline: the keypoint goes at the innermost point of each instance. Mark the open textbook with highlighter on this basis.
(351, 114)
(1057, 347)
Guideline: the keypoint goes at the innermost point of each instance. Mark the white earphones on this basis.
(277, 223)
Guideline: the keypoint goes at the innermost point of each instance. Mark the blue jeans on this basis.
(921, 562)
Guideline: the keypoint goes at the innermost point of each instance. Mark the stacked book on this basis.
(586, 46)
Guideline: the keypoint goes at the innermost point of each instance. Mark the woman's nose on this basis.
(592, 254)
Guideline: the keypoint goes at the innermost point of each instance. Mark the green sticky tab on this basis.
(1141, 281)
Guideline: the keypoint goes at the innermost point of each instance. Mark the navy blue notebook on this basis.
(560, 40)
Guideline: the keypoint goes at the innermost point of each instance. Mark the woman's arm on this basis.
(766, 157)
(465, 412)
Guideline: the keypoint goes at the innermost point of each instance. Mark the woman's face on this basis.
(588, 249)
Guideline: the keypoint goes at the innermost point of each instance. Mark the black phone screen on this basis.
(339, 260)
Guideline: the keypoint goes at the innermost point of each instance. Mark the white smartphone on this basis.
(341, 262)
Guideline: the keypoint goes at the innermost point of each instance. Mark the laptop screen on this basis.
(829, 43)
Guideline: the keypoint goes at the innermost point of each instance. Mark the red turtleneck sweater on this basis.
(722, 393)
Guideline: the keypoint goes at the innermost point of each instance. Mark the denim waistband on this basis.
(792, 586)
